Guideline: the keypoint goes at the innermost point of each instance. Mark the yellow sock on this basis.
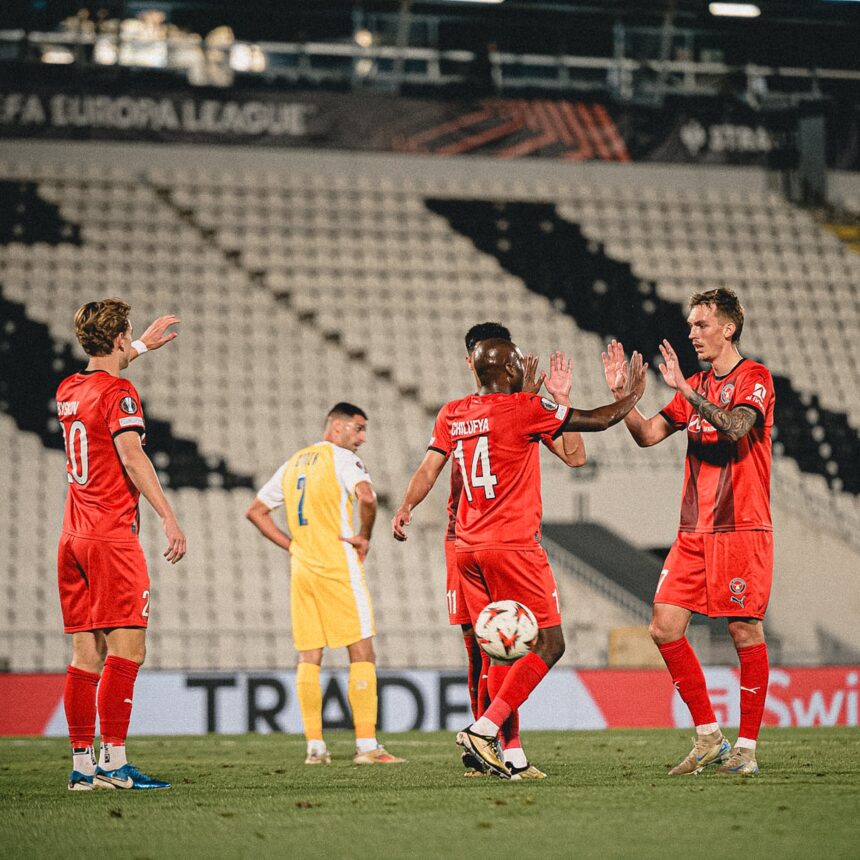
(362, 698)
(309, 691)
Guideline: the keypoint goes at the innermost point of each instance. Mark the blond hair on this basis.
(97, 325)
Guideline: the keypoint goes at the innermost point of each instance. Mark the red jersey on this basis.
(457, 490)
(93, 408)
(726, 484)
(493, 439)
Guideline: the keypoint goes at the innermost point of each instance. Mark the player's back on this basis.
(319, 508)
(494, 440)
(93, 407)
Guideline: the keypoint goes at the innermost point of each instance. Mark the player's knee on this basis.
(662, 633)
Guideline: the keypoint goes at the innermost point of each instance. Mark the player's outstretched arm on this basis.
(645, 431)
(259, 514)
(155, 336)
(603, 417)
(142, 474)
(569, 447)
(733, 423)
(367, 506)
(420, 484)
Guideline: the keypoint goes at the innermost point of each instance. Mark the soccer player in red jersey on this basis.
(103, 579)
(493, 438)
(721, 563)
(570, 449)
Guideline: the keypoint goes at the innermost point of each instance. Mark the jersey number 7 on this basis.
(485, 479)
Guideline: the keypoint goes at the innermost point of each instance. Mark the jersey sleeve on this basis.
(441, 439)
(271, 494)
(755, 389)
(123, 410)
(349, 469)
(677, 411)
(540, 416)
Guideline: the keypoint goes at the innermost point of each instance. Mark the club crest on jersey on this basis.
(726, 393)
(737, 586)
(129, 405)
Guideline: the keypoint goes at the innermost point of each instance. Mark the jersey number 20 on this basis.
(485, 479)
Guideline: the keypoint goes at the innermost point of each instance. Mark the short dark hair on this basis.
(726, 304)
(485, 331)
(345, 410)
(97, 325)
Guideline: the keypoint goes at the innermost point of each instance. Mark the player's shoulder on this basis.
(750, 366)
(346, 459)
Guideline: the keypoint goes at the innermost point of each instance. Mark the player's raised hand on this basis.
(359, 543)
(671, 368)
(531, 381)
(560, 377)
(636, 376)
(157, 335)
(615, 368)
(176, 541)
(401, 519)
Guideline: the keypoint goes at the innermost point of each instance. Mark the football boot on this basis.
(126, 777)
(707, 749)
(741, 762)
(485, 748)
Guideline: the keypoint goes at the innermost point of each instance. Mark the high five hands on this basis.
(621, 377)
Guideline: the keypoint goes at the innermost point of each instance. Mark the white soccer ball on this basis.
(506, 629)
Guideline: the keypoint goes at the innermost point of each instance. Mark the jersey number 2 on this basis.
(79, 466)
(486, 480)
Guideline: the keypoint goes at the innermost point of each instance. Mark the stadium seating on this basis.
(299, 287)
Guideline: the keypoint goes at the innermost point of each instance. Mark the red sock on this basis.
(475, 657)
(483, 694)
(689, 679)
(510, 733)
(523, 677)
(115, 697)
(79, 698)
(755, 671)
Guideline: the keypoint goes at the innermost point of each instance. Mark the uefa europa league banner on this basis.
(193, 703)
(700, 131)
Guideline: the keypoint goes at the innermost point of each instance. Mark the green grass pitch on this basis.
(607, 796)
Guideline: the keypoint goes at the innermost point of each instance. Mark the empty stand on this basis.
(300, 284)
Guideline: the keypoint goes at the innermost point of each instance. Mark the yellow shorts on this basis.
(329, 612)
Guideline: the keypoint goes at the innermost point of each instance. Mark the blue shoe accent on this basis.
(126, 777)
(80, 781)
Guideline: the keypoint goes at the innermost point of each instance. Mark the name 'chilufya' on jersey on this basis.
(726, 483)
(494, 441)
(93, 408)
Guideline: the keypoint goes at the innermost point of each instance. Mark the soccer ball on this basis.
(506, 630)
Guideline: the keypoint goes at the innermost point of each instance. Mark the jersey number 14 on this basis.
(480, 474)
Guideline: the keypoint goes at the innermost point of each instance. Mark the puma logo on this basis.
(753, 690)
(128, 701)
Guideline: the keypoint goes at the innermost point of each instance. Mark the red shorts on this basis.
(509, 574)
(727, 574)
(103, 584)
(458, 612)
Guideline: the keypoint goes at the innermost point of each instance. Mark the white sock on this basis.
(746, 744)
(112, 756)
(707, 728)
(483, 726)
(316, 747)
(364, 745)
(516, 757)
(84, 760)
